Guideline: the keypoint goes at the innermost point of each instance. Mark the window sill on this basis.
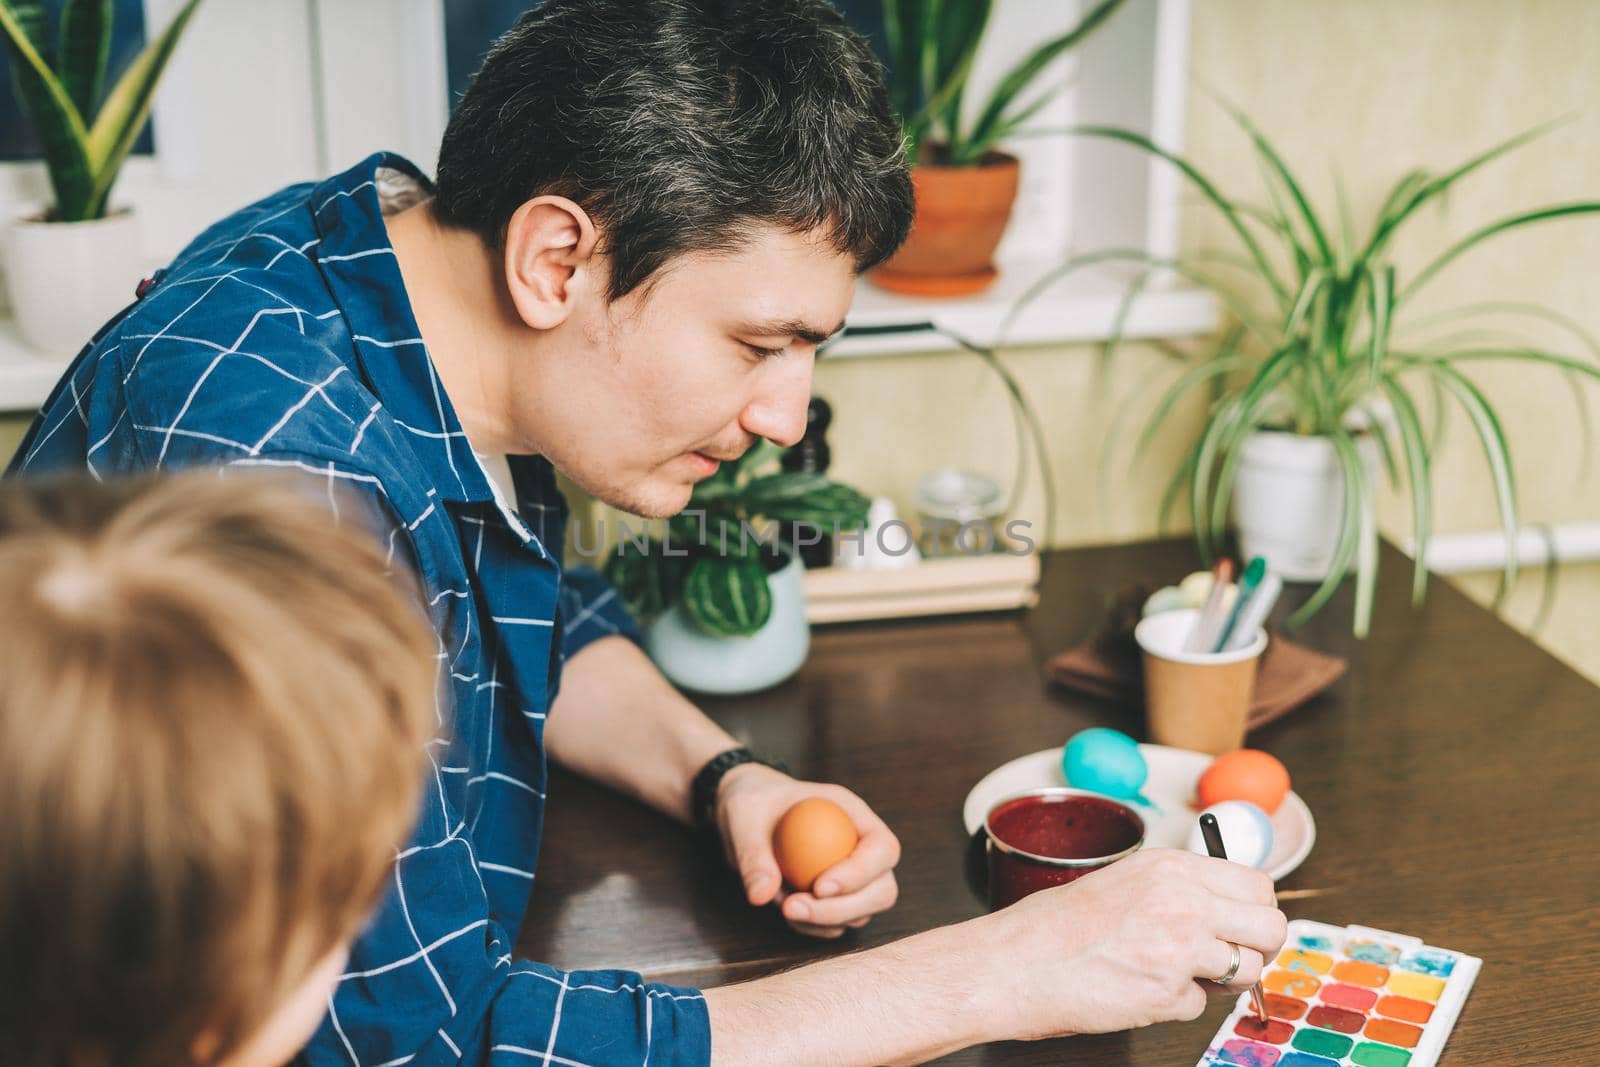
(1082, 308)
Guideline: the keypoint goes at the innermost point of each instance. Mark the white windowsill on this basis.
(1081, 309)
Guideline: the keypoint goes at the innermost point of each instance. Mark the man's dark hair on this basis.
(679, 124)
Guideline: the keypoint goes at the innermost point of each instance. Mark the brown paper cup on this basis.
(1195, 700)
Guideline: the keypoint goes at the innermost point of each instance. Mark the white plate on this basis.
(1170, 787)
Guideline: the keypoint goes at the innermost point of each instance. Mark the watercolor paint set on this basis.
(1348, 995)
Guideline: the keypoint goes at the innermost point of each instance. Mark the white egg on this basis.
(1196, 590)
(1246, 832)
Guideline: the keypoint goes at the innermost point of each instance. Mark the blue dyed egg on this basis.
(1104, 761)
(1246, 832)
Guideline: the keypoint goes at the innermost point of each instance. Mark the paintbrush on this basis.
(1213, 835)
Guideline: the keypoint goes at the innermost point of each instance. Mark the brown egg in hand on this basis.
(811, 837)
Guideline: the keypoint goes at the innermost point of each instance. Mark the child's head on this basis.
(214, 706)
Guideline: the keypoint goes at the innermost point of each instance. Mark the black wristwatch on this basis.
(703, 790)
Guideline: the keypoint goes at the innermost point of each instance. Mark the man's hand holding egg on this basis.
(849, 881)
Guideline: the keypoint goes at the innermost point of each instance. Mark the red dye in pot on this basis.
(1053, 836)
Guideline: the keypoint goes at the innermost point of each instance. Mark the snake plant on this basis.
(59, 77)
(932, 44)
(1337, 352)
(710, 561)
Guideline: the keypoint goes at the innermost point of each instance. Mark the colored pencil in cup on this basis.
(1204, 634)
(1247, 587)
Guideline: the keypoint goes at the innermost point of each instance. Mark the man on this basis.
(648, 215)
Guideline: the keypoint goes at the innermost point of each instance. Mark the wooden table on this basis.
(1452, 774)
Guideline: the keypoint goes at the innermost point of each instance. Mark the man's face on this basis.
(638, 400)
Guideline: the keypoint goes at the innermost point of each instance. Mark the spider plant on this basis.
(1331, 354)
(709, 561)
(59, 76)
(932, 44)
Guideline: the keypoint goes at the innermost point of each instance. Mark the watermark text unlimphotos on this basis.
(892, 538)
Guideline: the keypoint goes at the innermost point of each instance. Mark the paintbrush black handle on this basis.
(1213, 835)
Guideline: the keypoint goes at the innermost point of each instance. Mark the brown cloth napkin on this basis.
(1109, 665)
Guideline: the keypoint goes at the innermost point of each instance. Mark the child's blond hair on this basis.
(214, 705)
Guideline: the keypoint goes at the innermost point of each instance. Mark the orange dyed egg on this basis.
(1247, 774)
(811, 837)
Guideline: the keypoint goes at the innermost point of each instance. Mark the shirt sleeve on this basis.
(432, 981)
(591, 609)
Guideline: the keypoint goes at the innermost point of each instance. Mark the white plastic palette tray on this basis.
(1340, 995)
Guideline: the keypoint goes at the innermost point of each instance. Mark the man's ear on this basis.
(549, 257)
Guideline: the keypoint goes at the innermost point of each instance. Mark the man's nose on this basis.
(778, 411)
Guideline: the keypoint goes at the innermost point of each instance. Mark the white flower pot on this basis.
(1288, 501)
(705, 663)
(67, 278)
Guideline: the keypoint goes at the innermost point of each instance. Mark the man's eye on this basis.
(764, 353)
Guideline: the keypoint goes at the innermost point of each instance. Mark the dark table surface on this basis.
(1452, 773)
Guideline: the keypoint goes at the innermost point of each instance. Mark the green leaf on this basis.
(1200, 181)
(127, 108)
(1185, 472)
(1019, 77)
(1246, 418)
(1410, 194)
(35, 23)
(1526, 218)
(1220, 365)
(1211, 439)
(958, 30)
(791, 495)
(1350, 524)
(1419, 475)
(1391, 468)
(1313, 225)
(1380, 302)
(1347, 226)
(903, 31)
(648, 580)
(728, 597)
(1497, 452)
(55, 118)
(1366, 564)
(85, 47)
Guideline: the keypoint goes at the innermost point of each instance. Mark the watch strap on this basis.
(703, 789)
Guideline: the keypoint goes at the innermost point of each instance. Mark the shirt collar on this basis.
(360, 267)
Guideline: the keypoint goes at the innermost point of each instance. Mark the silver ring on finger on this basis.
(1233, 965)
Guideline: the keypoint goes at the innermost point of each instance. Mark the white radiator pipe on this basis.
(1573, 542)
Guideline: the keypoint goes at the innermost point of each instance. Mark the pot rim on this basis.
(1061, 793)
(994, 159)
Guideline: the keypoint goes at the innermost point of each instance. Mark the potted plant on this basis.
(719, 593)
(965, 185)
(1309, 398)
(72, 265)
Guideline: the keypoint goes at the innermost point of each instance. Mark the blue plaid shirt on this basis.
(282, 337)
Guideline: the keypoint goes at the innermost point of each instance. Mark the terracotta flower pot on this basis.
(961, 214)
